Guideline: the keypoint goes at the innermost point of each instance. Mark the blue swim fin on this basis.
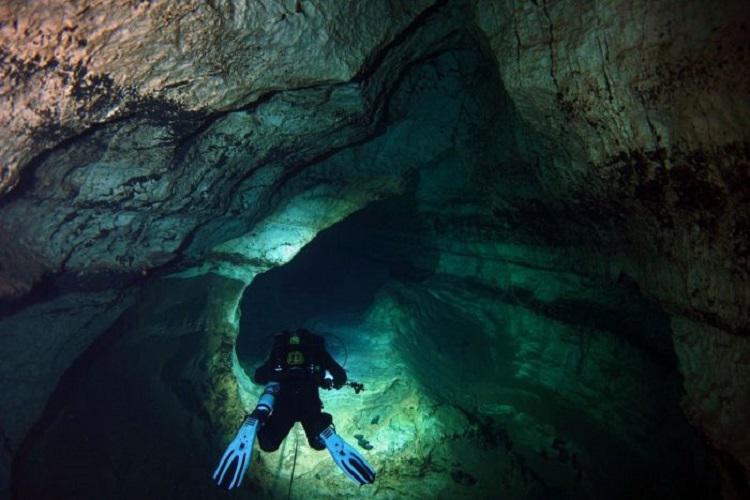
(347, 458)
(239, 453)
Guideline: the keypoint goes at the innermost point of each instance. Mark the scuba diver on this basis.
(295, 369)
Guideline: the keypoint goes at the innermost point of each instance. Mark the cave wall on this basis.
(38, 344)
(140, 140)
(299, 205)
(423, 126)
(638, 108)
(143, 408)
(490, 302)
(511, 351)
(505, 344)
(636, 113)
(554, 358)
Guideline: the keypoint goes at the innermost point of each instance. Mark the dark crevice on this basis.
(737, 474)
(42, 291)
(26, 177)
(53, 285)
(550, 44)
(647, 330)
(70, 381)
(6, 442)
(376, 60)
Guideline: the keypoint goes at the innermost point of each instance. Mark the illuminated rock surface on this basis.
(536, 261)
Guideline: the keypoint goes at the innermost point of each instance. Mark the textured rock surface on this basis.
(717, 380)
(39, 344)
(493, 368)
(219, 138)
(169, 170)
(69, 66)
(137, 193)
(144, 407)
(131, 194)
(635, 115)
(641, 108)
(129, 200)
(423, 128)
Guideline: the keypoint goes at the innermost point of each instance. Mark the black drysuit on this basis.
(300, 369)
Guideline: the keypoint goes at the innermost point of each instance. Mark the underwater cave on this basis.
(522, 227)
(470, 387)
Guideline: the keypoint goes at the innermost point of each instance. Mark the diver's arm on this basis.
(330, 364)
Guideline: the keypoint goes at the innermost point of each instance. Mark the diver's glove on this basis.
(240, 450)
(338, 383)
(347, 458)
(333, 383)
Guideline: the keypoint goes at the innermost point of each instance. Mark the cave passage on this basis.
(503, 340)
(328, 287)
(473, 388)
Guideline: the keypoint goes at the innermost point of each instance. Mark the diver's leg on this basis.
(236, 459)
(314, 423)
(276, 428)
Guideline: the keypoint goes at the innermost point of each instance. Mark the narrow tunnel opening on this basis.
(328, 287)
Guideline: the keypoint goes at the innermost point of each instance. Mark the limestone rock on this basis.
(130, 194)
(124, 200)
(548, 161)
(67, 66)
(642, 108)
(716, 368)
(39, 344)
(635, 114)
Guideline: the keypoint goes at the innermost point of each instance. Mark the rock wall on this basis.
(130, 193)
(39, 344)
(139, 409)
(634, 117)
(67, 67)
(639, 107)
(152, 138)
(104, 210)
(556, 357)
(717, 380)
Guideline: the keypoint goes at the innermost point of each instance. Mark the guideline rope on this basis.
(294, 464)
